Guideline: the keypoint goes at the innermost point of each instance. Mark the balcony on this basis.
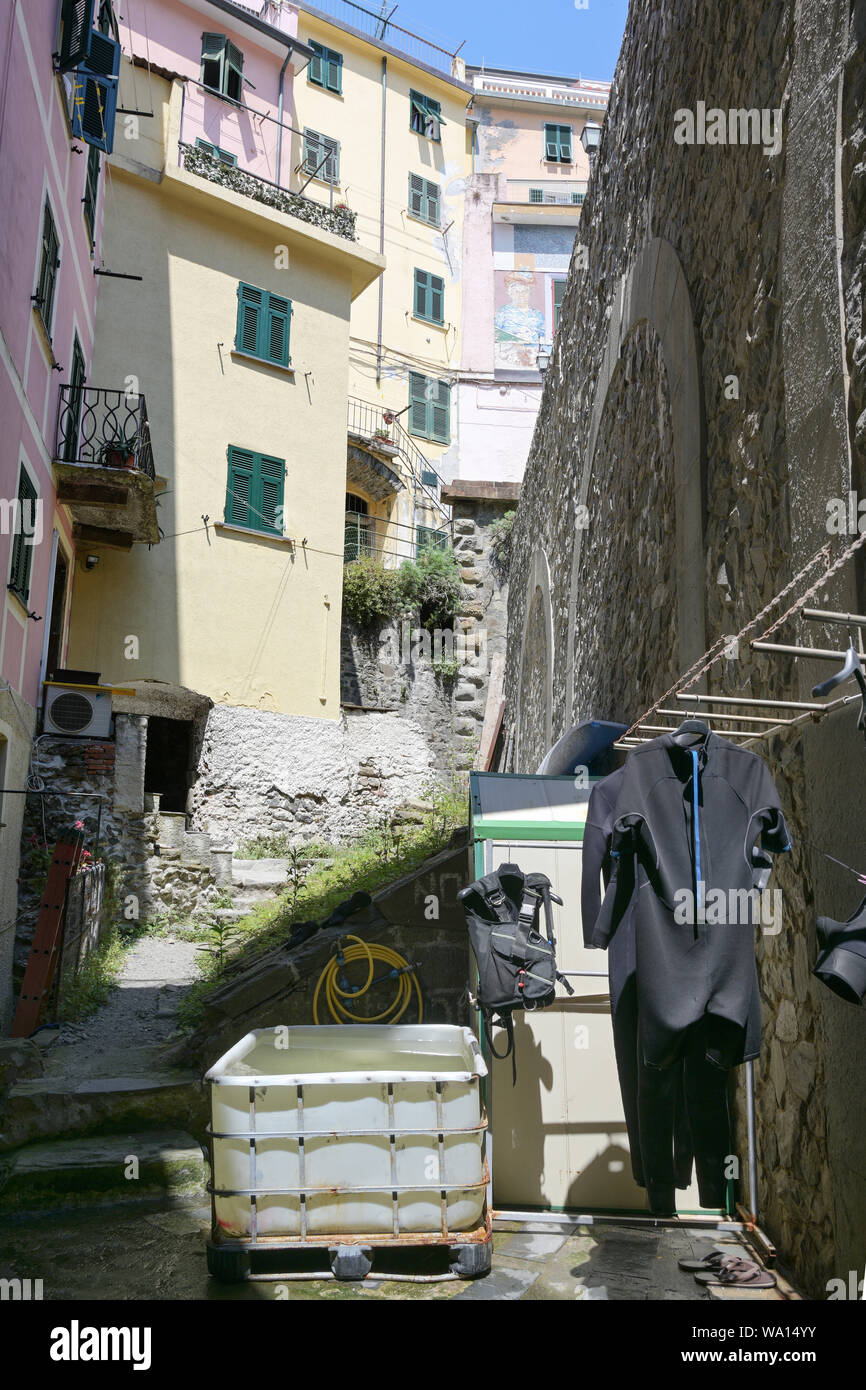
(372, 537)
(581, 94)
(547, 192)
(251, 152)
(103, 463)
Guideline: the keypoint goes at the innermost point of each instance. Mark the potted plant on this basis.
(118, 453)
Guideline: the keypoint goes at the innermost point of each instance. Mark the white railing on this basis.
(584, 94)
(547, 192)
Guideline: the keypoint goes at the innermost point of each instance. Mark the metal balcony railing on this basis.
(547, 192)
(383, 30)
(105, 428)
(379, 425)
(374, 538)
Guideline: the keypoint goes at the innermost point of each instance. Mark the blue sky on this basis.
(552, 36)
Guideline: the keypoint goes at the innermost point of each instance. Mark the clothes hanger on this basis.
(851, 668)
(691, 731)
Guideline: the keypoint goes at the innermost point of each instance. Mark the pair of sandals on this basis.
(723, 1270)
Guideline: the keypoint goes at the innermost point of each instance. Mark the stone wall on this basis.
(688, 439)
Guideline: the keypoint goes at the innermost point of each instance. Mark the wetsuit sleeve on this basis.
(768, 832)
(596, 843)
(620, 886)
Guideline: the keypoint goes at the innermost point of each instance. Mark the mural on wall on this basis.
(523, 293)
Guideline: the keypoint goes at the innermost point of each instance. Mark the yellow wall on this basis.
(354, 118)
(244, 619)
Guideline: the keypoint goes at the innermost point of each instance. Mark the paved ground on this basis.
(145, 1253)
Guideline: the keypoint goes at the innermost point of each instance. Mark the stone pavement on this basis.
(157, 1252)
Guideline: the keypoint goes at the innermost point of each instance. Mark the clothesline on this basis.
(724, 643)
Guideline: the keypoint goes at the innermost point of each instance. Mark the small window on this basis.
(222, 66)
(424, 200)
(429, 297)
(429, 478)
(429, 408)
(263, 325)
(558, 296)
(49, 263)
(22, 544)
(578, 198)
(428, 538)
(72, 422)
(536, 195)
(326, 68)
(321, 156)
(215, 152)
(425, 116)
(91, 190)
(254, 495)
(557, 143)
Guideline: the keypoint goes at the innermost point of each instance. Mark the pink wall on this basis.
(511, 142)
(173, 41)
(36, 157)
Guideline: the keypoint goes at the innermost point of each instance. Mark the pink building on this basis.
(521, 213)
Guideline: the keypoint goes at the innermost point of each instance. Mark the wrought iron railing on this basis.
(103, 427)
(375, 538)
(382, 426)
(384, 30)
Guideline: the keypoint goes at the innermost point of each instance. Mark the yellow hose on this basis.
(361, 951)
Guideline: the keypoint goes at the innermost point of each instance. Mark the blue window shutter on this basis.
(103, 55)
(240, 492)
(94, 107)
(276, 326)
(250, 315)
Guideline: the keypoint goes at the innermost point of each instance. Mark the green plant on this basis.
(371, 593)
(82, 993)
(500, 533)
(430, 585)
(221, 936)
(446, 667)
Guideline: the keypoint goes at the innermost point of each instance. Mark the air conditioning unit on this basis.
(76, 711)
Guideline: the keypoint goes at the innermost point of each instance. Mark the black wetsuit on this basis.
(695, 978)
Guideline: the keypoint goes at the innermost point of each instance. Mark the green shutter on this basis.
(417, 404)
(213, 52)
(255, 490)
(316, 148)
(416, 195)
(233, 72)
(565, 143)
(48, 265)
(76, 394)
(276, 326)
(272, 473)
(326, 68)
(315, 70)
(433, 206)
(558, 295)
(425, 115)
(250, 317)
(429, 297)
(75, 36)
(536, 195)
(424, 199)
(240, 491)
(557, 143)
(91, 190)
(22, 552)
(440, 414)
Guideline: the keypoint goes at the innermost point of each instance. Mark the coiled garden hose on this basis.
(332, 983)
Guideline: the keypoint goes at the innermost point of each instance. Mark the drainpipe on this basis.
(280, 119)
(381, 224)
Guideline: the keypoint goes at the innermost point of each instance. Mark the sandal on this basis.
(707, 1264)
(736, 1273)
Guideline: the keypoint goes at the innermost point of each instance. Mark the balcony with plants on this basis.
(103, 464)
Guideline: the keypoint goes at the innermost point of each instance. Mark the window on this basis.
(106, 22)
(359, 535)
(425, 116)
(558, 296)
(223, 156)
(73, 412)
(429, 408)
(429, 297)
(49, 262)
(254, 496)
(424, 200)
(263, 325)
(557, 143)
(326, 68)
(321, 156)
(22, 544)
(536, 195)
(578, 198)
(429, 478)
(428, 538)
(222, 66)
(94, 107)
(91, 190)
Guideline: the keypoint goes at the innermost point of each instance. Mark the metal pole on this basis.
(382, 222)
(753, 1156)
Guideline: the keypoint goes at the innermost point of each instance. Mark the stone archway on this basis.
(655, 290)
(534, 714)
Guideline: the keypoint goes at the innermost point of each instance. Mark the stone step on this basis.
(55, 1106)
(103, 1168)
(260, 873)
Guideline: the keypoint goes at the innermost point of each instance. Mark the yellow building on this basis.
(238, 336)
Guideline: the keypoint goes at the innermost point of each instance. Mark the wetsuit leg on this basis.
(657, 1097)
(707, 1087)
